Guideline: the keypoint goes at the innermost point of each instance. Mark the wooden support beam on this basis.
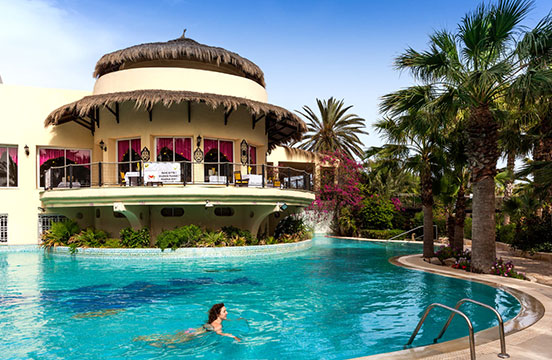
(189, 111)
(114, 112)
(97, 115)
(226, 116)
(256, 120)
(87, 124)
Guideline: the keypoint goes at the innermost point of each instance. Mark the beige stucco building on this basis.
(173, 133)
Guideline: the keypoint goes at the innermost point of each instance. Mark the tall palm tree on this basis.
(477, 65)
(334, 129)
(415, 137)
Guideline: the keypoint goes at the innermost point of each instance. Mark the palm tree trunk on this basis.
(450, 226)
(427, 206)
(509, 185)
(483, 154)
(460, 211)
(543, 152)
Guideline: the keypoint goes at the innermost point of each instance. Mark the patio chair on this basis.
(238, 180)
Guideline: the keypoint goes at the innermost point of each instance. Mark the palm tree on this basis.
(333, 130)
(476, 66)
(416, 138)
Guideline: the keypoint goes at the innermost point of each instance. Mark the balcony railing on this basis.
(139, 173)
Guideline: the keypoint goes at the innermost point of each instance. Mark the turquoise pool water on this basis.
(338, 300)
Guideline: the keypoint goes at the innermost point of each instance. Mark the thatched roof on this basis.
(178, 49)
(282, 125)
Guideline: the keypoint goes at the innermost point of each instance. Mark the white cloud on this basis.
(44, 45)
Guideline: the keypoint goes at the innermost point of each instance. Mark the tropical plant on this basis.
(339, 188)
(376, 213)
(131, 238)
(415, 137)
(59, 233)
(333, 130)
(185, 236)
(231, 231)
(212, 238)
(473, 68)
(87, 238)
(289, 225)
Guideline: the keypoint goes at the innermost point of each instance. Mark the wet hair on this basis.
(214, 312)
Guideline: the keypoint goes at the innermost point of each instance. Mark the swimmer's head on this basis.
(217, 311)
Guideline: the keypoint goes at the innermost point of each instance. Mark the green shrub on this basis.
(185, 236)
(506, 233)
(135, 238)
(534, 234)
(211, 238)
(376, 213)
(87, 238)
(112, 243)
(59, 233)
(468, 228)
(380, 234)
(231, 231)
(290, 225)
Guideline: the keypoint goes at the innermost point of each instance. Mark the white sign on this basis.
(165, 172)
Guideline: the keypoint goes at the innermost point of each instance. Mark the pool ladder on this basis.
(455, 311)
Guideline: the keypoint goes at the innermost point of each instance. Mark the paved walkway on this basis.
(539, 271)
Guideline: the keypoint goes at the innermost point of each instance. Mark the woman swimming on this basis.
(217, 314)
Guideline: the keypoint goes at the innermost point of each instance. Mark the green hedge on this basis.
(380, 234)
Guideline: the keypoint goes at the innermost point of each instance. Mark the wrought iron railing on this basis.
(139, 173)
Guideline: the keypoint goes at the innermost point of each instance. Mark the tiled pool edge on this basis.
(533, 320)
(181, 253)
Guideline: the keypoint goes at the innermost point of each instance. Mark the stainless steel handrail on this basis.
(502, 353)
(455, 311)
(411, 230)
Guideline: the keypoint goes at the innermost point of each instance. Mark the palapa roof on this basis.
(282, 125)
(182, 48)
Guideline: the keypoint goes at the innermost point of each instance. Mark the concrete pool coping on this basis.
(180, 253)
(528, 335)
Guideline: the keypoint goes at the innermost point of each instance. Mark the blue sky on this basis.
(307, 49)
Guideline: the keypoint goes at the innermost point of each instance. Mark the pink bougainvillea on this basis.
(339, 187)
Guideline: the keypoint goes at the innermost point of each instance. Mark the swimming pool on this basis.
(339, 299)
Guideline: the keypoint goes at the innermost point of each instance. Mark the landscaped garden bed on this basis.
(67, 233)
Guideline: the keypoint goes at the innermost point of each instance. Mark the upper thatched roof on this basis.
(178, 49)
(282, 125)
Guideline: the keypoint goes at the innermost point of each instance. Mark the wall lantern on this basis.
(103, 147)
(26, 150)
(198, 141)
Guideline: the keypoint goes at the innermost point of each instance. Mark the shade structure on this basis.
(182, 48)
(282, 126)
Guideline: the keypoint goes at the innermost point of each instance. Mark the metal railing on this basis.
(435, 233)
(502, 353)
(455, 311)
(135, 173)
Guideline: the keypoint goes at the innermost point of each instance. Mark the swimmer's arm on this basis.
(229, 335)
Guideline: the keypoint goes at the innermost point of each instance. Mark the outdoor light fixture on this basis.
(198, 141)
(282, 206)
(103, 147)
(26, 150)
(208, 204)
